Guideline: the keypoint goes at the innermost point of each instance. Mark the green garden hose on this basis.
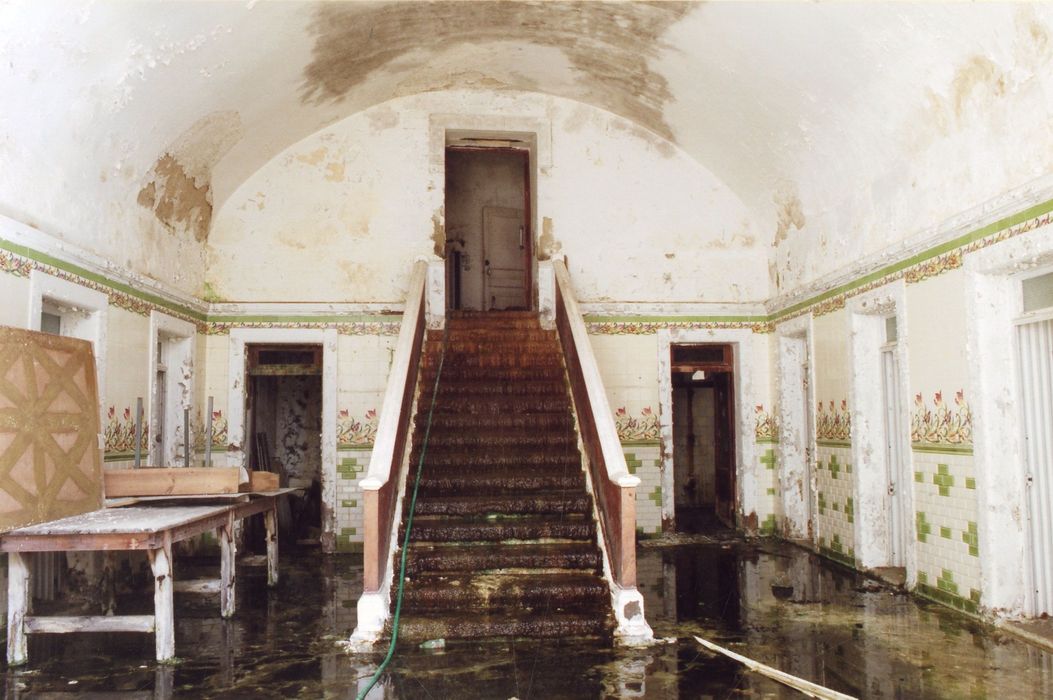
(409, 526)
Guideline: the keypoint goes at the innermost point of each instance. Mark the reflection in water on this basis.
(772, 602)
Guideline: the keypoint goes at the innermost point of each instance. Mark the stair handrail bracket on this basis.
(385, 481)
(613, 486)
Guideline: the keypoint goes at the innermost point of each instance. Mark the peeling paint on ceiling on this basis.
(608, 44)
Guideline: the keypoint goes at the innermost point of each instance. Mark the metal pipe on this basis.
(208, 435)
(138, 431)
(186, 436)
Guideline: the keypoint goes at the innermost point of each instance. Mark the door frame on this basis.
(796, 448)
(237, 395)
(529, 262)
(747, 393)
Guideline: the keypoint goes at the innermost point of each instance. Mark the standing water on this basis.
(769, 601)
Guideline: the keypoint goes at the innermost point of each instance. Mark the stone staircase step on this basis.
(523, 528)
(535, 422)
(454, 373)
(496, 404)
(435, 558)
(452, 390)
(448, 440)
(489, 459)
(542, 593)
(497, 481)
(510, 624)
(517, 504)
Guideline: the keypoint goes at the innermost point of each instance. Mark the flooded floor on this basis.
(770, 601)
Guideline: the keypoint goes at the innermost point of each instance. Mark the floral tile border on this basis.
(642, 429)
(766, 425)
(833, 422)
(356, 432)
(941, 424)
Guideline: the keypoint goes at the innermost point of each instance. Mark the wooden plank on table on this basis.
(263, 481)
(50, 466)
(90, 623)
(170, 481)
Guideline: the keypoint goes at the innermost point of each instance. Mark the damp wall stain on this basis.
(788, 214)
(176, 200)
(178, 188)
(547, 245)
(609, 44)
(438, 236)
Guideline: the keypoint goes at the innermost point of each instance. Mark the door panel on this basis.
(504, 253)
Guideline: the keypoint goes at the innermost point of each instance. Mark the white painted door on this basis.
(1035, 350)
(504, 259)
(894, 455)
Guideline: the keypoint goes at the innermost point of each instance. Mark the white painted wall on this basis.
(342, 214)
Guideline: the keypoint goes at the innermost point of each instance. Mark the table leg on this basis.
(270, 522)
(109, 583)
(17, 607)
(164, 610)
(227, 552)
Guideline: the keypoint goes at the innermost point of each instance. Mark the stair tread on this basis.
(423, 626)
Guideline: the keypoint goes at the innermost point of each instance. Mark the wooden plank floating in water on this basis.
(90, 623)
(812, 690)
(169, 481)
(206, 586)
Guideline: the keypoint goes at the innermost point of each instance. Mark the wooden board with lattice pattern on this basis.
(50, 465)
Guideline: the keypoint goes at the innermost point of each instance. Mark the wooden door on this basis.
(504, 259)
(724, 440)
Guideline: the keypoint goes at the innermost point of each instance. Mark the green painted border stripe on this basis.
(46, 259)
(935, 251)
(597, 318)
(641, 443)
(833, 443)
(942, 449)
(963, 240)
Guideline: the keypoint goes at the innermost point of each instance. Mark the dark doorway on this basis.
(285, 430)
(488, 232)
(703, 437)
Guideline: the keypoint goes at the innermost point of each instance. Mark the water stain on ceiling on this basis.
(609, 44)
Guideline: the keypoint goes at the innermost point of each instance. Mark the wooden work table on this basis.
(153, 527)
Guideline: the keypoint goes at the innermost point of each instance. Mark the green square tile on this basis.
(945, 532)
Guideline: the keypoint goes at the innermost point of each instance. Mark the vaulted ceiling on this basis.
(820, 103)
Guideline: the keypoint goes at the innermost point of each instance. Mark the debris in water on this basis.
(810, 689)
(434, 644)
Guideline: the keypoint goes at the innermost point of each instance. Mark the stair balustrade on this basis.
(380, 487)
(614, 486)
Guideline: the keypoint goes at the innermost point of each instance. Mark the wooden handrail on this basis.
(614, 486)
(381, 483)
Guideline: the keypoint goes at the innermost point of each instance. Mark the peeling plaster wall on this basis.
(962, 132)
(341, 215)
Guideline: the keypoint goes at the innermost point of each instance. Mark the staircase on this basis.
(503, 541)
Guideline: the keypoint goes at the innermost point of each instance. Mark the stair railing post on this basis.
(614, 487)
(380, 487)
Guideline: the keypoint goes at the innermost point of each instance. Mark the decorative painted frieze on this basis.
(219, 431)
(651, 327)
(833, 423)
(642, 429)
(120, 431)
(356, 431)
(766, 425)
(388, 328)
(941, 424)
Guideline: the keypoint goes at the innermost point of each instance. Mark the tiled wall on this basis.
(644, 460)
(835, 514)
(946, 522)
(351, 465)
